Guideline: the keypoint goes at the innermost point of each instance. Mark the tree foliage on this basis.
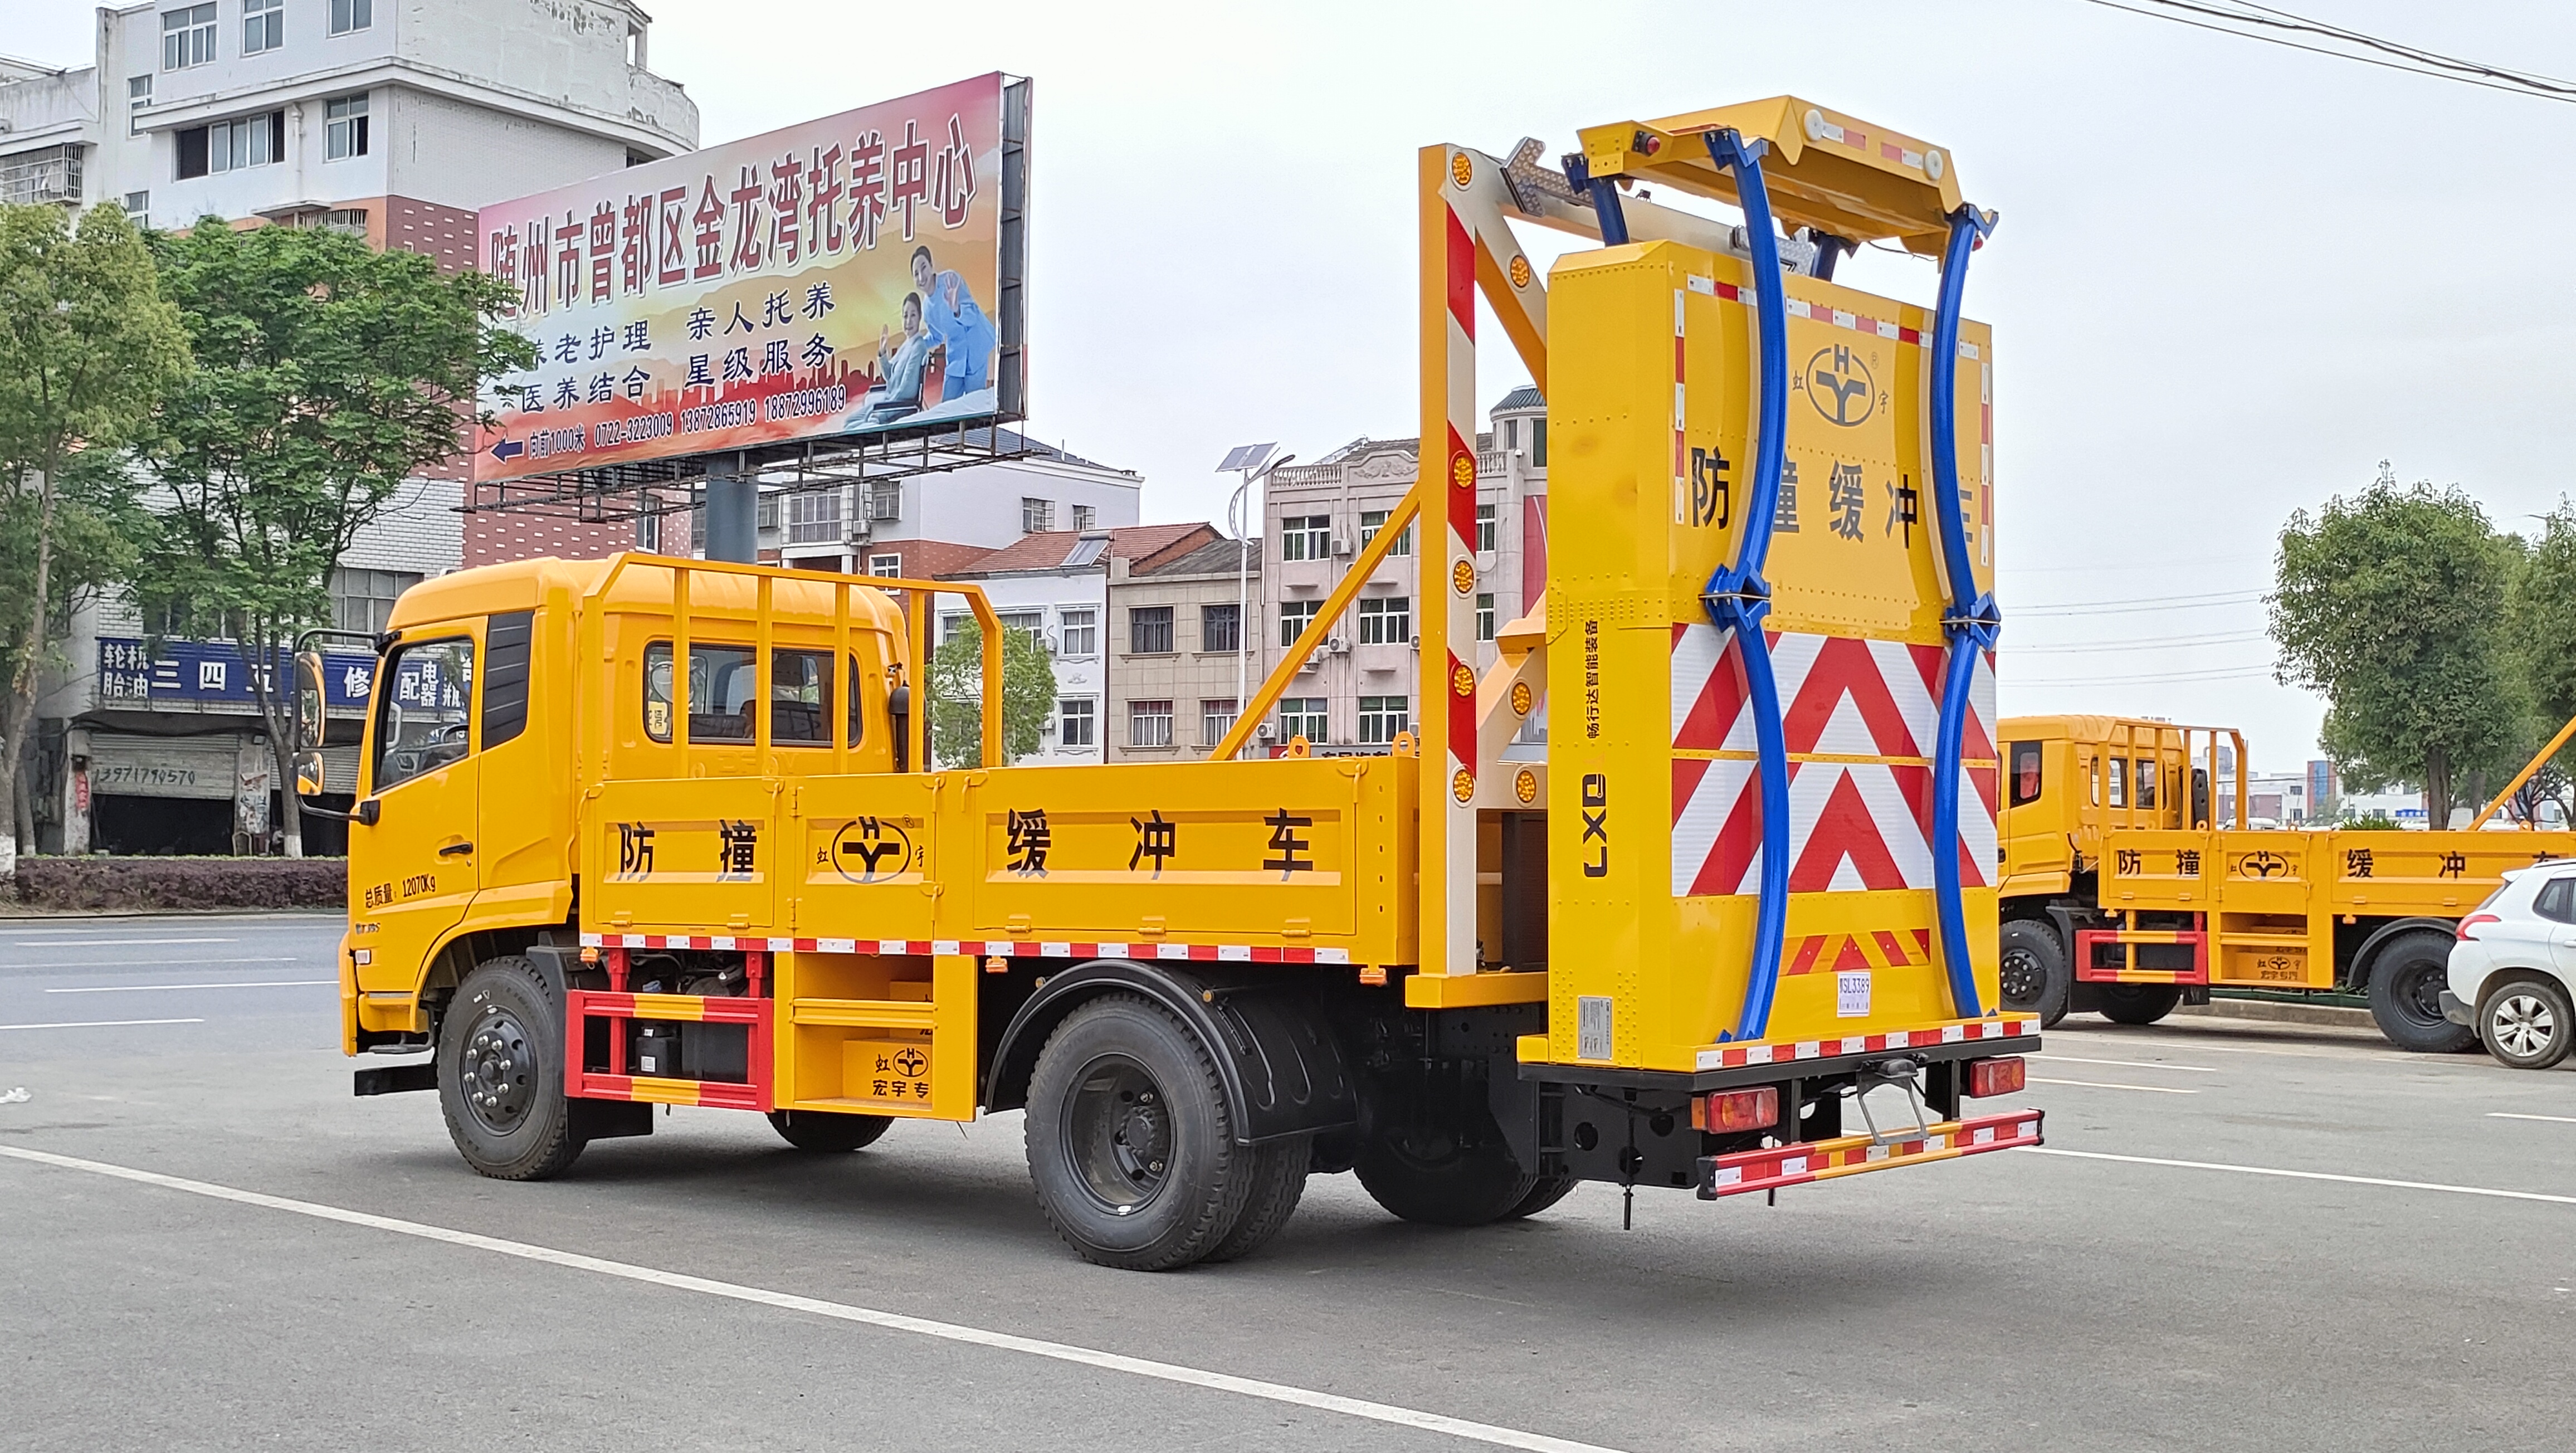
(957, 696)
(2392, 605)
(88, 347)
(2542, 613)
(328, 374)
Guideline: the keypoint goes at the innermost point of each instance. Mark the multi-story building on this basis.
(1180, 659)
(1356, 693)
(392, 122)
(1055, 586)
(927, 525)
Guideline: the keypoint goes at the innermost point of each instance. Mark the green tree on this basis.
(328, 373)
(2391, 604)
(87, 347)
(2542, 613)
(957, 696)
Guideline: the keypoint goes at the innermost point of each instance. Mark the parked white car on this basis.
(2512, 967)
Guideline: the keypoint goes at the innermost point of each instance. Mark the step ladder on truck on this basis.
(1691, 888)
(2130, 890)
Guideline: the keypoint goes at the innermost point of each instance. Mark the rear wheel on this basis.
(2035, 978)
(2528, 1024)
(2407, 977)
(1130, 1139)
(500, 1074)
(1545, 1193)
(828, 1132)
(1433, 1154)
(1278, 1183)
(2139, 1003)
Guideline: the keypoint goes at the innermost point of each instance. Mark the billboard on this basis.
(841, 277)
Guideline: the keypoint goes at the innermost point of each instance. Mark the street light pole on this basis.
(1254, 464)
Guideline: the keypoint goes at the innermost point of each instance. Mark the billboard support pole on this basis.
(733, 516)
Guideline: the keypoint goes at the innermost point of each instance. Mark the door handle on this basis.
(455, 849)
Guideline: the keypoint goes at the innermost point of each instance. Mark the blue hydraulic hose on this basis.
(1738, 599)
(1971, 623)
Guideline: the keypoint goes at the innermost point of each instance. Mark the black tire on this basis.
(500, 1074)
(2033, 970)
(2407, 977)
(2139, 1003)
(1131, 1140)
(828, 1132)
(1546, 1191)
(1278, 1183)
(1438, 1158)
(2527, 1024)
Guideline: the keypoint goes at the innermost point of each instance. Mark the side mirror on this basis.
(308, 772)
(308, 710)
(899, 711)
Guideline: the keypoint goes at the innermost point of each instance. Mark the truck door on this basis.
(413, 870)
(2034, 832)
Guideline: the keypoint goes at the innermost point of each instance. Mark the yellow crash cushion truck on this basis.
(655, 831)
(2122, 895)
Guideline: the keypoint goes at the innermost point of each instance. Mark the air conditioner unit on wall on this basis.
(1338, 645)
(1341, 546)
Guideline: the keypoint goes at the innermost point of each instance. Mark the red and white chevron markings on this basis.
(1853, 824)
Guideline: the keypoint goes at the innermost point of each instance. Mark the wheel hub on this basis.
(2419, 993)
(500, 1072)
(1119, 1125)
(2022, 980)
(2523, 1025)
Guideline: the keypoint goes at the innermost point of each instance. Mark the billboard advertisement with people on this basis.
(843, 277)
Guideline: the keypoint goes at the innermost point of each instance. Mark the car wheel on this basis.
(2407, 977)
(2528, 1024)
(2033, 971)
(2139, 1003)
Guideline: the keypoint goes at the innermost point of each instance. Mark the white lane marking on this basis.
(1488, 1433)
(2553, 1119)
(100, 1023)
(2126, 1064)
(103, 942)
(152, 963)
(147, 988)
(2308, 1175)
(2107, 1085)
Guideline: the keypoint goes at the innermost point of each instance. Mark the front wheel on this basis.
(2139, 1003)
(1131, 1140)
(2033, 971)
(500, 1074)
(2528, 1024)
(2406, 982)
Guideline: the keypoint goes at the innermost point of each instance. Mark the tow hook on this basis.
(1904, 1073)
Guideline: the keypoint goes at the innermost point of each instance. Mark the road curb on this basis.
(2273, 1012)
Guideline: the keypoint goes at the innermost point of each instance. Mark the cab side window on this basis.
(723, 692)
(422, 713)
(800, 699)
(2025, 773)
(2119, 781)
(2146, 782)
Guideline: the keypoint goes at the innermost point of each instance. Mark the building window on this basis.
(263, 25)
(1216, 718)
(648, 534)
(1037, 516)
(814, 518)
(1484, 617)
(1303, 716)
(228, 146)
(1077, 722)
(138, 94)
(1538, 443)
(1485, 527)
(1149, 723)
(1306, 537)
(349, 15)
(187, 37)
(1372, 521)
(1080, 632)
(1386, 620)
(1149, 632)
(1221, 627)
(1030, 623)
(1381, 717)
(1294, 617)
(344, 127)
(138, 208)
(885, 502)
(363, 600)
(1086, 517)
(889, 566)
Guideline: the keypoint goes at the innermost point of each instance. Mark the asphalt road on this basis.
(301, 1269)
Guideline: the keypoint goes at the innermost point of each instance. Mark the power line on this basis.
(2133, 607)
(2139, 643)
(2166, 678)
(2430, 64)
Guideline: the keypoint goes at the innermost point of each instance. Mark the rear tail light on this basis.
(1754, 1109)
(2003, 1075)
(2472, 921)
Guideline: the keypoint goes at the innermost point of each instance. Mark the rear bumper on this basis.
(1824, 1160)
(1725, 1066)
(2455, 1011)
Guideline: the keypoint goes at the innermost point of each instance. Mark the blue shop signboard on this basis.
(204, 673)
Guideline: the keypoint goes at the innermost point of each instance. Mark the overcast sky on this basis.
(2230, 278)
